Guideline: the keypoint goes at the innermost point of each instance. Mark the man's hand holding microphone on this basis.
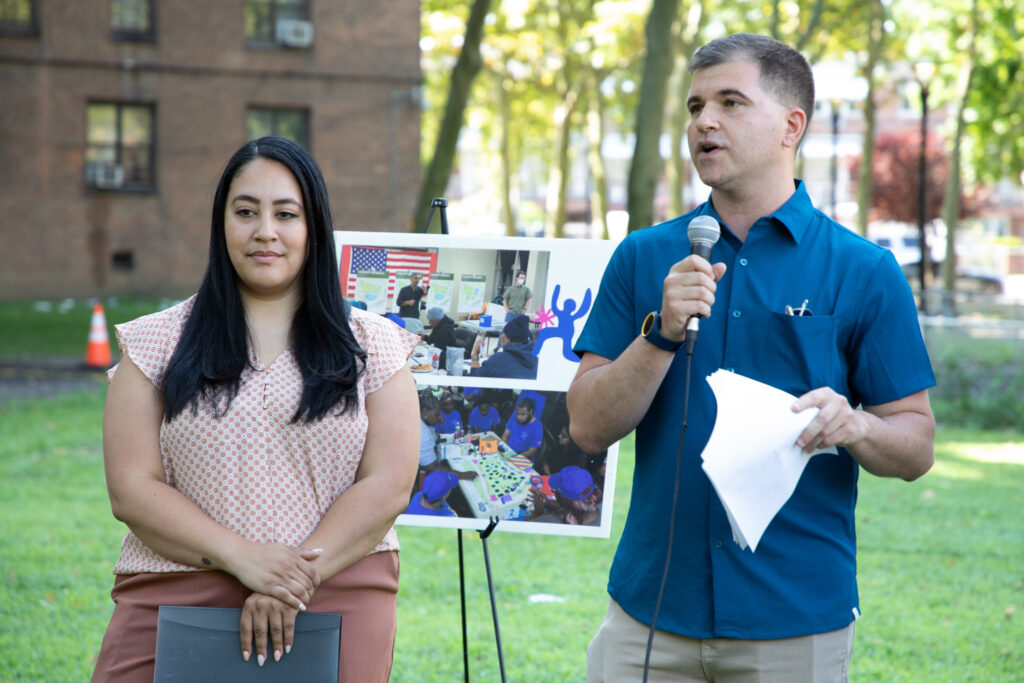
(689, 289)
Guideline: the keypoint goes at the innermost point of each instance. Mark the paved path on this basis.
(46, 378)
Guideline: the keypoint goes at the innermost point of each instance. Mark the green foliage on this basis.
(941, 568)
(980, 381)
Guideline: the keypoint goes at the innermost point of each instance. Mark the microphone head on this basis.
(703, 231)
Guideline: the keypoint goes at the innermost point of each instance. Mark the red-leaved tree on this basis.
(896, 175)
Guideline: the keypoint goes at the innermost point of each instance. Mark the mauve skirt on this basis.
(366, 595)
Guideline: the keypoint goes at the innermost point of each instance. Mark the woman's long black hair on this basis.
(213, 350)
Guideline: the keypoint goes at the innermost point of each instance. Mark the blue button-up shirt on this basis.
(861, 338)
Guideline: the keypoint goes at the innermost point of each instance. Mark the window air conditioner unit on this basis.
(295, 32)
(105, 175)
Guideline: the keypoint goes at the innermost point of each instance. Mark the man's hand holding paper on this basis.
(836, 422)
(752, 457)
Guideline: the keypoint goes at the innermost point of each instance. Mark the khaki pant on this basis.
(616, 655)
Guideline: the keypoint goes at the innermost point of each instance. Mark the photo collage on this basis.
(496, 320)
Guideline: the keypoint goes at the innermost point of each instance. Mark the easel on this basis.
(440, 202)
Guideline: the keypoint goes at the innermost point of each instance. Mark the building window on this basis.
(18, 18)
(287, 123)
(132, 20)
(120, 146)
(273, 23)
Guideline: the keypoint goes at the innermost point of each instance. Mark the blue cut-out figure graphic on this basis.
(566, 327)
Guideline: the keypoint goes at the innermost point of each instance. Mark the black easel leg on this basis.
(490, 587)
(494, 611)
(462, 595)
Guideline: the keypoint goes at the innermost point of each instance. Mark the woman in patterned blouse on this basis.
(260, 437)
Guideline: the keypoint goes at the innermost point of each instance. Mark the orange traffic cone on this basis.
(97, 353)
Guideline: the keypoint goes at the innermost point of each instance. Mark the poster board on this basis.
(501, 471)
(472, 293)
(441, 292)
(372, 287)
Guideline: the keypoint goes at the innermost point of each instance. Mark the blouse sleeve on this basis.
(387, 346)
(150, 341)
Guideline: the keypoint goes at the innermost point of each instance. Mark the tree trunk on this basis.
(558, 178)
(508, 216)
(678, 170)
(951, 202)
(595, 142)
(876, 45)
(467, 66)
(646, 165)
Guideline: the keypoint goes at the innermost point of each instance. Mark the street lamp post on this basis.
(923, 73)
(835, 101)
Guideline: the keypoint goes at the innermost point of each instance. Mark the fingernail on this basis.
(800, 443)
(277, 655)
(287, 649)
(245, 655)
(260, 659)
(318, 550)
(302, 607)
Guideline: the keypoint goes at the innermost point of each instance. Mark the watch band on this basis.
(651, 331)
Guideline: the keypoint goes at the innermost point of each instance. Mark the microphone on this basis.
(703, 232)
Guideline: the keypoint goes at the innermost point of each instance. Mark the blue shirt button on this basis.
(743, 261)
(736, 314)
(718, 544)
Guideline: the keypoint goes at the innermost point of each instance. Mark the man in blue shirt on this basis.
(451, 418)
(856, 354)
(484, 418)
(432, 497)
(524, 433)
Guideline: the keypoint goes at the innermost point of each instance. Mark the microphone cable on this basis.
(703, 233)
(675, 501)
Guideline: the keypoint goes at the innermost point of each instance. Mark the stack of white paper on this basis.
(752, 458)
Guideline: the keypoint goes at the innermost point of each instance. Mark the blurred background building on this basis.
(117, 116)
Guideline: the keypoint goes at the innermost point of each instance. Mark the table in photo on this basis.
(504, 477)
(422, 358)
(489, 334)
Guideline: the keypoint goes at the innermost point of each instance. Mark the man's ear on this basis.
(796, 124)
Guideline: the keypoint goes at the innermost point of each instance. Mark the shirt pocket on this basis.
(800, 352)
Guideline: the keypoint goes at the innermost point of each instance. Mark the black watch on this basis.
(651, 331)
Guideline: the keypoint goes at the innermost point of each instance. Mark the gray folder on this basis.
(202, 644)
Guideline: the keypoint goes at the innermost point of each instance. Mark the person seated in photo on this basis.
(561, 454)
(430, 418)
(484, 418)
(472, 394)
(442, 332)
(577, 500)
(515, 359)
(432, 499)
(524, 433)
(451, 418)
(430, 452)
(415, 326)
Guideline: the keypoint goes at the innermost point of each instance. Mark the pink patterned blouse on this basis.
(253, 471)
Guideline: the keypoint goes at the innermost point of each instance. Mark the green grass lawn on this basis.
(46, 329)
(941, 568)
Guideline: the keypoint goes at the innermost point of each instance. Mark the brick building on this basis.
(117, 116)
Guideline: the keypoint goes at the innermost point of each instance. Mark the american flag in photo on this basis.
(383, 259)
